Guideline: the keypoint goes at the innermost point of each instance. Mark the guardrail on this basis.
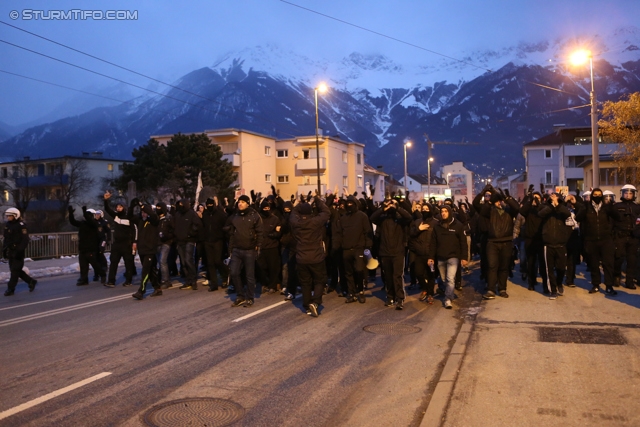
(53, 245)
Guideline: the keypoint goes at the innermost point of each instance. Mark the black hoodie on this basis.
(187, 226)
(353, 229)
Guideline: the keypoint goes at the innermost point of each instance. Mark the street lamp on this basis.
(429, 176)
(322, 88)
(406, 144)
(578, 58)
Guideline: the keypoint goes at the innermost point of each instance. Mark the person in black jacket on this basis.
(353, 236)
(626, 243)
(213, 220)
(147, 245)
(533, 246)
(245, 230)
(124, 236)
(187, 226)
(555, 235)
(392, 222)
(165, 241)
(449, 249)
(14, 243)
(289, 276)
(420, 235)
(269, 258)
(596, 221)
(105, 237)
(89, 240)
(310, 252)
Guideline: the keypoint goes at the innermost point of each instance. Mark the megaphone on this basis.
(372, 263)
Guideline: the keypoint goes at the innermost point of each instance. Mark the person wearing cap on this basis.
(88, 244)
(105, 237)
(213, 221)
(626, 243)
(124, 237)
(555, 235)
(500, 213)
(15, 241)
(244, 228)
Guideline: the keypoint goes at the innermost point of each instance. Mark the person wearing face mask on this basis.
(337, 279)
(533, 245)
(574, 244)
(165, 240)
(147, 244)
(626, 243)
(213, 221)
(187, 226)
(288, 244)
(269, 259)
(353, 235)
(555, 234)
(88, 244)
(392, 222)
(124, 237)
(420, 235)
(482, 228)
(596, 220)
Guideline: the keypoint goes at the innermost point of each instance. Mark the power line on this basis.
(386, 36)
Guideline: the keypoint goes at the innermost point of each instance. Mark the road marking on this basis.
(32, 303)
(50, 396)
(262, 310)
(62, 310)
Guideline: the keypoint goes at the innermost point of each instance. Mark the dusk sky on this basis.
(169, 39)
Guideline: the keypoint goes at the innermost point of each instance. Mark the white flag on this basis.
(198, 190)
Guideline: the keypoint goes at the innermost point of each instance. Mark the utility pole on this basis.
(430, 144)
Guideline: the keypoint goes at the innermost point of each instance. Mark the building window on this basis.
(547, 154)
(267, 151)
(282, 154)
(359, 158)
(306, 179)
(5, 173)
(267, 177)
(283, 179)
(6, 195)
(548, 177)
(110, 167)
(121, 167)
(345, 181)
(305, 154)
(41, 170)
(344, 157)
(359, 181)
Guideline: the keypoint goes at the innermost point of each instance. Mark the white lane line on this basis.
(262, 310)
(50, 396)
(61, 310)
(32, 303)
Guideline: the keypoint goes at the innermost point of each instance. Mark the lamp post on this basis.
(429, 176)
(578, 58)
(406, 144)
(322, 88)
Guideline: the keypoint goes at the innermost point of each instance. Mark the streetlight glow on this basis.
(580, 57)
(322, 88)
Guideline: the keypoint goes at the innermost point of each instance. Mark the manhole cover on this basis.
(194, 412)
(392, 329)
(609, 336)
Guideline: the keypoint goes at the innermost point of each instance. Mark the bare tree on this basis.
(72, 181)
(20, 183)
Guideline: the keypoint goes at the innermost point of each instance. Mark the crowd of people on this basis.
(320, 245)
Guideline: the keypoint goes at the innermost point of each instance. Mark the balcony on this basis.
(42, 181)
(311, 164)
(232, 158)
(305, 188)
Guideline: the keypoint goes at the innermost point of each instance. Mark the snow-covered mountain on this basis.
(489, 97)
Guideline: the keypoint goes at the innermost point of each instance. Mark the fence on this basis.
(53, 245)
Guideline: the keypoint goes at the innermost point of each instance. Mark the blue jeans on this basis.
(163, 255)
(186, 251)
(448, 269)
(244, 258)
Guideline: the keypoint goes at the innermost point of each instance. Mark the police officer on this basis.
(626, 243)
(16, 239)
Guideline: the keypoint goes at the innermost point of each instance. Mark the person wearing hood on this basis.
(148, 238)
(15, 241)
(245, 230)
(124, 238)
(353, 234)
(596, 220)
(269, 258)
(89, 240)
(288, 256)
(213, 221)
(500, 213)
(105, 237)
(187, 226)
(555, 235)
(626, 243)
(447, 250)
(392, 223)
(165, 240)
(420, 235)
(533, 245)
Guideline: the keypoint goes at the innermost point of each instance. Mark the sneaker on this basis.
(8, 293)
(308, 312)
(156, 293)
(594, 290)
(110, 285)
(570, 285)
(610, 291)
(429, 299)
(560, 291)
(532, 287)
(289, 297)
(81, 283)
(184, 287)
(313, 308)
(448, 305)
(166, 285)
(389, 302)
(504, 294)
(350, 299)
(458, 287)
(238, 302)
(553, 295)
(630, 285)
(361, 298)
(489, 295)
(32, 285)
(248, 303)
(545, 290)
(439, 292)
(212, 289)
(399, 305)
(103, 279)
(138, 295)
(125, 284)
(423, 296)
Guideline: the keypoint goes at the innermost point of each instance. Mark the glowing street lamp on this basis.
(579, 58)
(429, 176)
(322, 88)
(406, 144)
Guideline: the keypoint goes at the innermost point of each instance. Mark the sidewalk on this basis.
(510, 377)
(44, 267)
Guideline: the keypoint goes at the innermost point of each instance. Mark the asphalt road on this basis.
(280, 365)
